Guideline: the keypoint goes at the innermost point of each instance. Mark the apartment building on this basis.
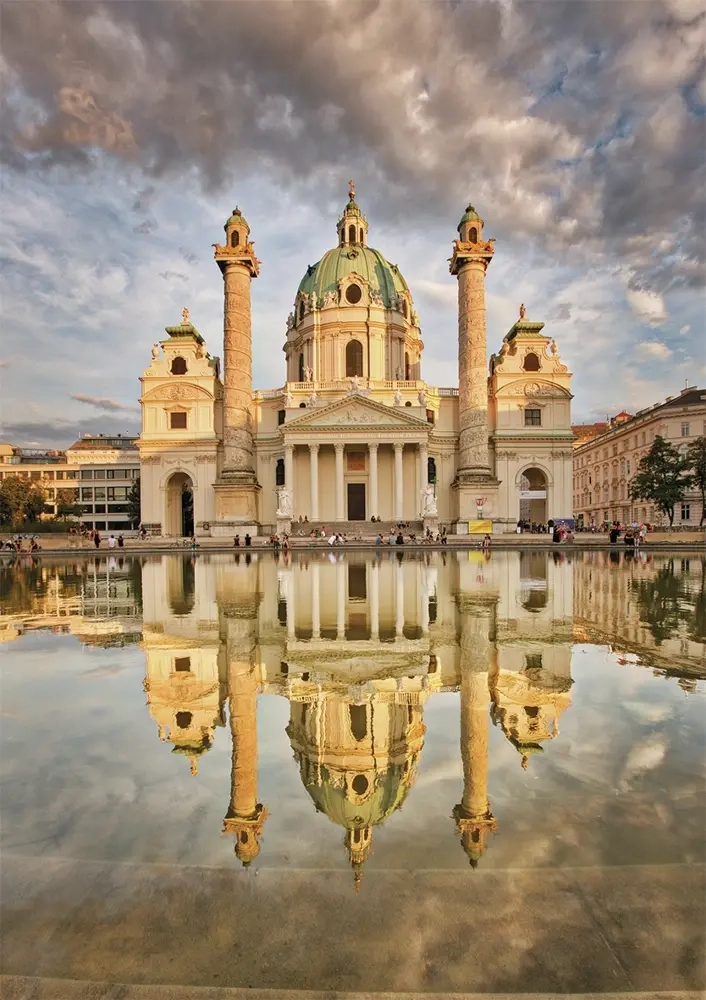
(97, 471)
(605, 464)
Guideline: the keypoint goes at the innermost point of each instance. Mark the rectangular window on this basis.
(110, 473)
(182, 664)
(117, 492)
(35, 475)
(118, 508)
(685, 430)
(47, 475)
(628, 466)
(644, 437)
(60, 475)
(177, 421)
(99, 493)
(533, 418)
(430, 416)
(86, 493)
(281, 417)
(686, 512)
(100, 508)
(99, 473)
(99, 525)
(615, 449)
(74, 475)
(86, 473)
(134, 473)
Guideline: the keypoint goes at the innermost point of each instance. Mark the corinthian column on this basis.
(472, 366)
(246, 816)
(236, 497)
(474, 819)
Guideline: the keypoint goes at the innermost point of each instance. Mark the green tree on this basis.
(67, 504)
(697, 457)
(662, 477)
(21, 500)
(133, 503)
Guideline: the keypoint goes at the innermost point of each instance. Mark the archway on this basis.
(180, 505)
(533, 496)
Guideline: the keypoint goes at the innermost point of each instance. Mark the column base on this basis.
(236, 507)
(470, 486)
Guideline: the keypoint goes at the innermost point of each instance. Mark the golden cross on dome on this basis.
(185, 315)
(351, 190)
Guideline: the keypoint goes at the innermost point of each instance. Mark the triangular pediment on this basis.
(356, 411)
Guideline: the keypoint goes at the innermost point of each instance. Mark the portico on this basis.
(375, 456)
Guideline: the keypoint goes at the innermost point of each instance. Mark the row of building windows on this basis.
(99, 493)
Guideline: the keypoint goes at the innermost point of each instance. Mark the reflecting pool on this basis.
(355, 772)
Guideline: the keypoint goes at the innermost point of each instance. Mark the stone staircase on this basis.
(354, 529)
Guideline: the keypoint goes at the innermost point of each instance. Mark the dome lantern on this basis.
(352, 227)
(237, 229)
(470, 228)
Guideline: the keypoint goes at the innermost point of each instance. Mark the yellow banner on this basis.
(480, 527)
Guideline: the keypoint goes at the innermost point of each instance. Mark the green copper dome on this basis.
(470, 215)
(388, 794)
(236, 219)
(338, 263)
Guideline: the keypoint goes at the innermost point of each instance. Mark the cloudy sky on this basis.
(130, 131)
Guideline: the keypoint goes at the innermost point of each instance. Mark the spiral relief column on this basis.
(475, 479)
(237, 487)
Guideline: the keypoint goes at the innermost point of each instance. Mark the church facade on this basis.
(355, 431)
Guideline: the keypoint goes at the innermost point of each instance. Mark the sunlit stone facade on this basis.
(355, 431)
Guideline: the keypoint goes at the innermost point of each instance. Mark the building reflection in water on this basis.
(358, 644)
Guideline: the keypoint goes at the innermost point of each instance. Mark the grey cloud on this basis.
(100, 402)
(586, 148)
(189, 257)
(173, 276)
(145, 228)
(561, 311)
(53, 434)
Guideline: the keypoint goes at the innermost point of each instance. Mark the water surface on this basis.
(382, 772)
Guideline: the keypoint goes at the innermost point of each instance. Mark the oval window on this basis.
(360, 784)
(353, 294)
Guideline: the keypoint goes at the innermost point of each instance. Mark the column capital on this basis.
(398, 446)
(289, 449)
(338, 446)
(314, 448)
(373, 446)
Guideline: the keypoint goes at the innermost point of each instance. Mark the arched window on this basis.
(234, 238)
(359, 721)
(279, 472)
(351, 234)
(300, 371)
(531, 362)
(473, 235)
(407, 367)
(354, 358)
(183, 719)
(301, 309)
(178, 366)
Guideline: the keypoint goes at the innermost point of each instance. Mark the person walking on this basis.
(97, 540)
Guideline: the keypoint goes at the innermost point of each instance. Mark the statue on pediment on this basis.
(422, 397)
(313, 398)
(308, 374)
(398, 397)
(355, 385)
(155, 352)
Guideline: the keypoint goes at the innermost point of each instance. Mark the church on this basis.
(355, 432)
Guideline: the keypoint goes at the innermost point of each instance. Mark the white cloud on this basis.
(655, 349)
(685, 329)
(647, 306)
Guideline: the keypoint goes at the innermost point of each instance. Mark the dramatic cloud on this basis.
(595, 146)
(131, 129)
(100, 402)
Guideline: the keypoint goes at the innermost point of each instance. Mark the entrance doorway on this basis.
(180, 505)
(533, 496)
(356, 501)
